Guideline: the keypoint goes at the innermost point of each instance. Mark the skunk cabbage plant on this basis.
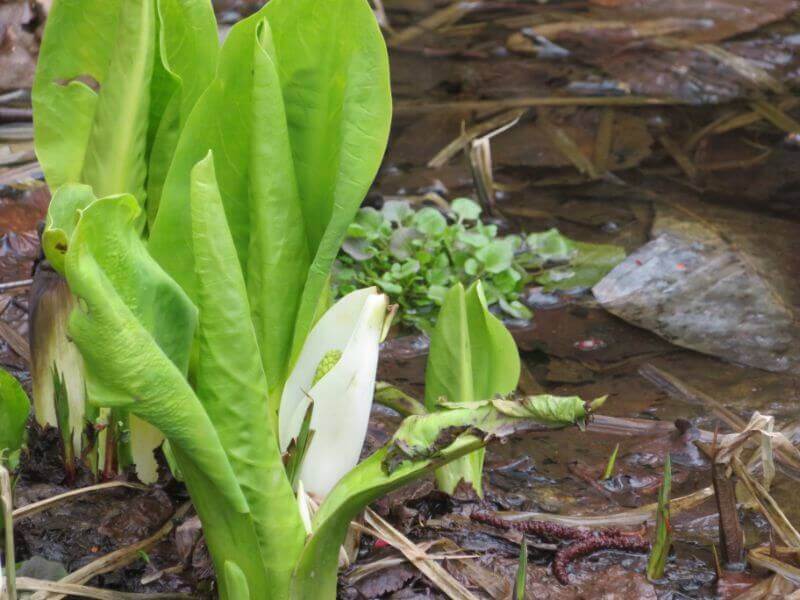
(135, 328)
(217, 331)
(472, 357)
(115, 83)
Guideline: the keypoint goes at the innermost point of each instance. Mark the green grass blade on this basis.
(520, 582)
(612, 461)
(663, 542)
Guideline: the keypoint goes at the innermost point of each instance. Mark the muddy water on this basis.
(573, 346)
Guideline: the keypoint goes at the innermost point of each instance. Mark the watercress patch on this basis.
(415, 256)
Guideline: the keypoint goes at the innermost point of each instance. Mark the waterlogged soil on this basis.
(492, 52)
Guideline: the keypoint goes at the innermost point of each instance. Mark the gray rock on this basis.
(716, 280)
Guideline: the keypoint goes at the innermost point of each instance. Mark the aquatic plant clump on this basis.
(415, 256)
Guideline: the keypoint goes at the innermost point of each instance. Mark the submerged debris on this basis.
(585, 541)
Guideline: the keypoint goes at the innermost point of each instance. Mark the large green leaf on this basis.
(278, 249)
(231, 537)
(134, 327)
(92, 94)
(79, 42)
(448, 373)
(495, 358)
(115, 155)
(14, 409)
(472, 357)
(298, 117)
(232, 385)
(115, 80)
(187, 47)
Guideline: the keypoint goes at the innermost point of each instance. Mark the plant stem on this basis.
(8, 521)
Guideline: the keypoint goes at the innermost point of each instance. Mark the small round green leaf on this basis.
(466, 209)
(497, 256)
(430, 221)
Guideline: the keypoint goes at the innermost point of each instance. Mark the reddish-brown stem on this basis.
(586, 542)
(595, 543)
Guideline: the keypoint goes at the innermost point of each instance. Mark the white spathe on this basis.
(343, 396)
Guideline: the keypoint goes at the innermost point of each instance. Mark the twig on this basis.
(12, 285)
(776, 116)
(435, 572)
(679, 156)
(634, 516)
(15, 114)
(768, 506)
(762, 557)
(446, 16)
(36, 507)
(633, 427)
(533, 101)
(677, 388)
(7, 503)
(471, 133)
(15, 96)
(731, 536)
(382, 17)
(27, 172)
(604, 140)
(17, 343)
(29, 584)
(562, 142)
